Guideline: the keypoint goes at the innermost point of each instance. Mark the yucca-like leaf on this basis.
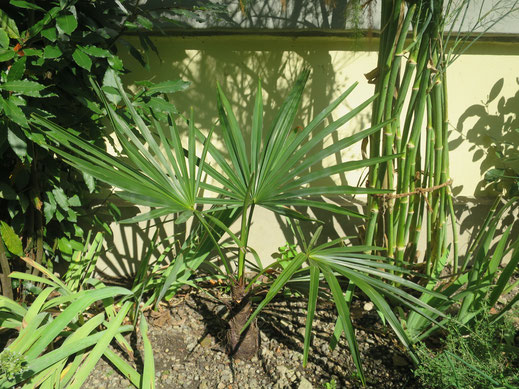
(100, 346)
(281, 159)
(148, 375)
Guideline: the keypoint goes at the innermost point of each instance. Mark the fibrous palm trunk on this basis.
(242, 345)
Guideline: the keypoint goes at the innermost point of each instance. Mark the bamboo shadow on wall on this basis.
(493, 136)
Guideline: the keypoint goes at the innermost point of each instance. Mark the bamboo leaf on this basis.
(6, 304)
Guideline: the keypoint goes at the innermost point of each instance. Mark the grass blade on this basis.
(148, 374)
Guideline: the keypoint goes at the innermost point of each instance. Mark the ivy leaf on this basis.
(168, 87)
(59, 216)
(115, 63)
(14, 112)
(24, 87)
(4, 39)
(89, 181)
(6, 192)
(52, 52)
(494, 175)
(145, 22)
(82, 59)
(95, 51)
(26, 4)
(6, 55)
(74, 201)
(11, 240)
(496, 89)
(17, 69)
(61, 198)
(9, 26)
(66, 22)
(17, 141)
(72, 216)
(49, 208)
(50, 33)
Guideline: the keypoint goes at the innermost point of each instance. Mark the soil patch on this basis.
(189, 341)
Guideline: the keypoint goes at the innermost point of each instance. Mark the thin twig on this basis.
(419, 190)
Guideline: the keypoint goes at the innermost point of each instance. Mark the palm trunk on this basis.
(242, 345)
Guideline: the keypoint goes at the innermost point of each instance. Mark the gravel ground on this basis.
(188, 338)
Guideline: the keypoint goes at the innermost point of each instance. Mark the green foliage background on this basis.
(49, 53)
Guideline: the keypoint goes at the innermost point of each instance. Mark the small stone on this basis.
(304, 384)
(282, 370)
(368, 306)
(206, 342)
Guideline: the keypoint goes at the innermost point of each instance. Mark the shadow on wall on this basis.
(273, 14)
(128, 245)
(238, 71)
(492, 131)
(494, 140)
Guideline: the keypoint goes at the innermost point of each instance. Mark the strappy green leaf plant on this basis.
(279, 170)
(61, 349)
(487, 274)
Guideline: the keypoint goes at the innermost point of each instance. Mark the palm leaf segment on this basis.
(156, 172)
(333, 264)
(274, 173)
(149, 175)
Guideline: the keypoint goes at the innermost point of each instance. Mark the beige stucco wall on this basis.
(236, 62)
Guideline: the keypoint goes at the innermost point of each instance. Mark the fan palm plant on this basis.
(273, 171)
